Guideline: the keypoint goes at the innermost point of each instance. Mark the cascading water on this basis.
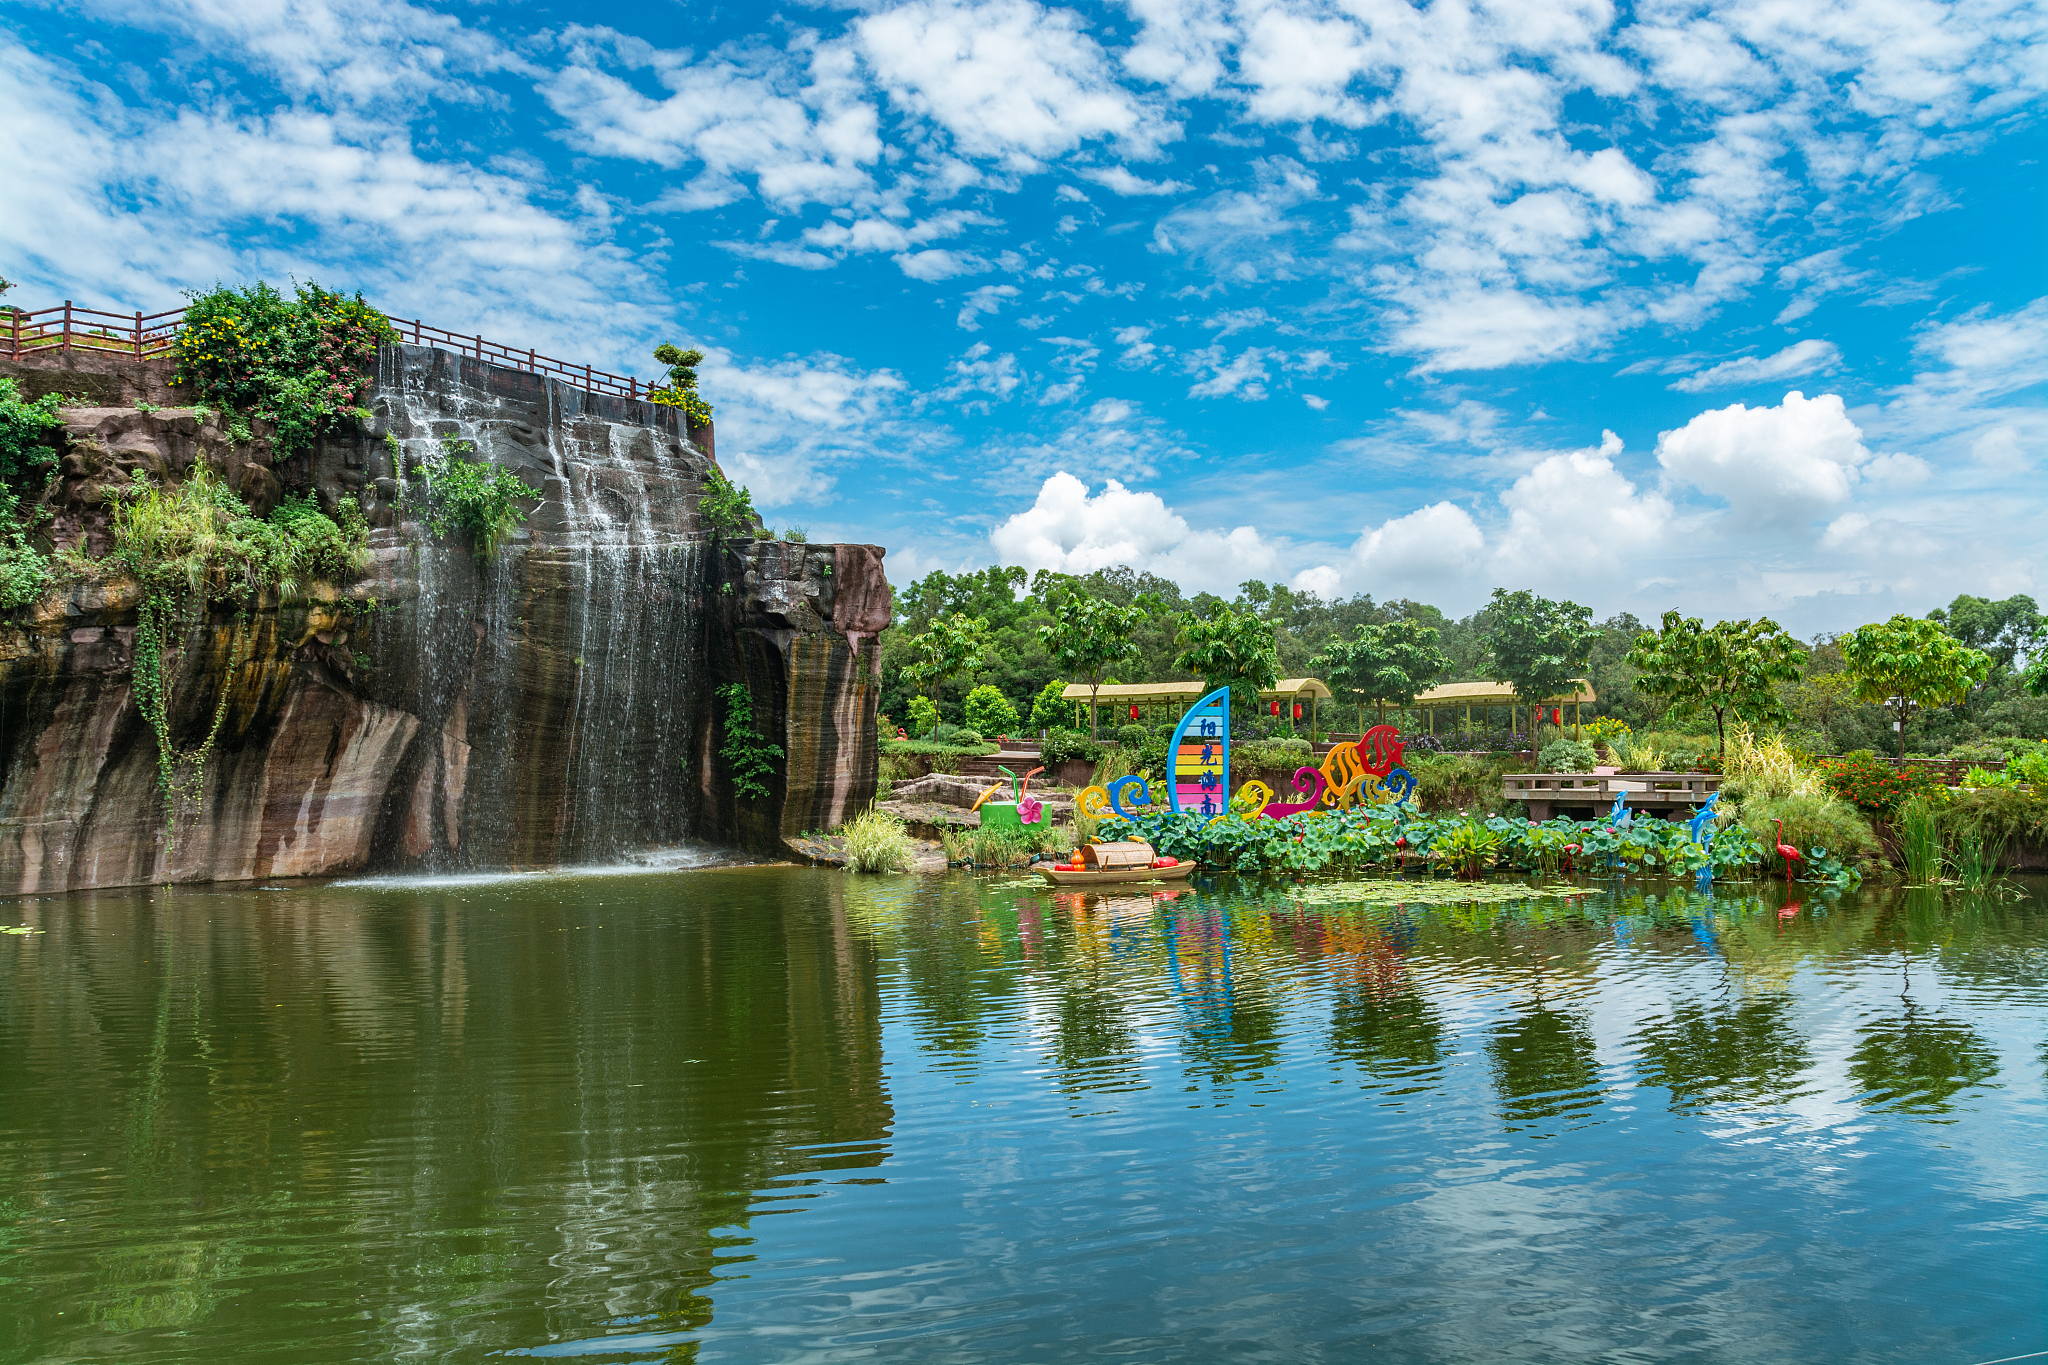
(557, 679)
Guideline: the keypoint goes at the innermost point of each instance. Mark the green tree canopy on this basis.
(1729, 668)
(1905, 664)
(954, 644)
(1228, 647)
(1534, 645)
(1387, 662)
(2004, 630)
(1089, 634)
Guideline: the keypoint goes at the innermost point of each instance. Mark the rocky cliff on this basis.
(551, 703)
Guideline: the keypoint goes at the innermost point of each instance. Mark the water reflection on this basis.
(1749, 1054)
(782, 1113)
(1916, 1064)
(1544, 1067)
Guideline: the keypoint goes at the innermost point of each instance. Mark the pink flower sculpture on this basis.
(1028, 809)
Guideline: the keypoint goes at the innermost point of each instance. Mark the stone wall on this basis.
(548, 705)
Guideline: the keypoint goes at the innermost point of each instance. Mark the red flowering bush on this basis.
(1869, 783)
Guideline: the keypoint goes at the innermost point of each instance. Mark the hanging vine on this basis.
(193, 544)
(180, 773)
(748, 755)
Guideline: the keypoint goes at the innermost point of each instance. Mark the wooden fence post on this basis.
(67, 328)
(138, 333)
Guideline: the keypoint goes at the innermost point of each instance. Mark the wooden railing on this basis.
(77, 328)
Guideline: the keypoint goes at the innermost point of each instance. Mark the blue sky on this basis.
(1740, 308)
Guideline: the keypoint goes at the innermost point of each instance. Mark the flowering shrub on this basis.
(303, 364)
(1869, 783)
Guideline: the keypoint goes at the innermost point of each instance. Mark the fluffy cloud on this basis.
(1008, 79)
(1575, 521)
(1774, 467)
(1069, 531)
(1431, 552)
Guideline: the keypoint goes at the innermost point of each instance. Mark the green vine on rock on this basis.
(193, 544)
(474, 497)
(180, 773)
(747, 753)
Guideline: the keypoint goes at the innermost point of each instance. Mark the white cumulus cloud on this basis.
(1774, 467)
(1069, 531)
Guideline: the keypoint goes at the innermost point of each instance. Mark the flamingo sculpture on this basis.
(1787, 852)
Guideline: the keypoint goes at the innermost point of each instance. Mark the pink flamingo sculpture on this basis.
(1401, 856)
(1787, 852)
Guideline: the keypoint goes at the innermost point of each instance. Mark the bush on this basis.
(1811, 822)
(924, 715)
(24, 573)
(726, 508)
(303, 364)
(1132, 736)
(1287, 754)
(966, 739)
(987, 847)
(478, 498)
(1061, 746)
(876, 841)
(1869, 783)
(990, 712)
(1048, 710)
(1568, 756)
(1453, 782)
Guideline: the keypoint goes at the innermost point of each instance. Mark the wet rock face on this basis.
(797, 625)
(551, 704)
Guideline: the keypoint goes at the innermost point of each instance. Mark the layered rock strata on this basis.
(550, 704)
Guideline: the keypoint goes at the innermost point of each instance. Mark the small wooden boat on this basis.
(1103, 864)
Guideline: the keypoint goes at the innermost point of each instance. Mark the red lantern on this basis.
(1134, 711)
(1297, 710)
(1557, 715)
(1276, 708)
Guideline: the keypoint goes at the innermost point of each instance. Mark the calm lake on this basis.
(789, 1114)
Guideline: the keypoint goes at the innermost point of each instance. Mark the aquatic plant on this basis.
(876, 841)
(1920, 841)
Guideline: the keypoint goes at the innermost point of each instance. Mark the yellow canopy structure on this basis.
(1467, 695)
(1182, 695)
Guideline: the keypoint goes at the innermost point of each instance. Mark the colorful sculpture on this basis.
(1308, 783)
(1093, 802)
(1119, 788)
(1201, 756)
(1367, 772)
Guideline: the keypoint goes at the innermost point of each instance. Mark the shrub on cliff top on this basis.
(304, 364)
(682, 382)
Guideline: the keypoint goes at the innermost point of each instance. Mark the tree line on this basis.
(996, 645)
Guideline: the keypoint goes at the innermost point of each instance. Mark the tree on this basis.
(1049, 707)
(1536, 646)
(989, 712)
(2004, 630)
(2037, 676)
(954, 644)
(1228, 647)
(682, 382)
(1388, 662)
(1088, 634)
(1730, 668)
(1905, 664)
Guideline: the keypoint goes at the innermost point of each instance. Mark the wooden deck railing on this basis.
(74, 327)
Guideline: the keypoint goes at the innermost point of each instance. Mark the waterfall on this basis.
(556, 682)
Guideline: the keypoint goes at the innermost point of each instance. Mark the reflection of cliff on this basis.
(551, 704)
(636, 1083)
